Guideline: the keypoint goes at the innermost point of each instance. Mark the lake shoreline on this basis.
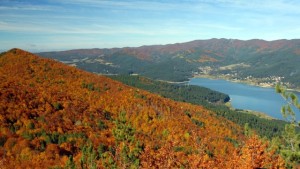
(256, 113)
(241, 82)
(258, 99)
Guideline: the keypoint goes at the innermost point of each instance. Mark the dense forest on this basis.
(56, 116)
(179, 92)
(210, 99)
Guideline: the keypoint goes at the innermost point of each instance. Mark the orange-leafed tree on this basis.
(256, 154)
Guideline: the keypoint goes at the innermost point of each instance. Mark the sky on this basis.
(48, 25)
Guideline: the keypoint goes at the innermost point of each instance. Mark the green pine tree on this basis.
(70, 163)
(290, 150)
(124, 134)
(89, 157)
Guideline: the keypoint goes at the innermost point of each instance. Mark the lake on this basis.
(247, 97)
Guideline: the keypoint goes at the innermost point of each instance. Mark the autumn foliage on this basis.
(56, 116)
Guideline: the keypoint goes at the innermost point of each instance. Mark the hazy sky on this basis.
(44, 25)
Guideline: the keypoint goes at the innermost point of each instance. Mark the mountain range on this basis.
(254, 60)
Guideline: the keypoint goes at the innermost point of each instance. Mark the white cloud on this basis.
(19, 6)
(153, 6)
(90, 29)
(28, 8)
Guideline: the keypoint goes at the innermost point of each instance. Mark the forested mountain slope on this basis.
(179, 92)
(264, 62)
(211, 100)
(56, 116)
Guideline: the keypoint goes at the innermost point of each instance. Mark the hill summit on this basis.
(57, 116)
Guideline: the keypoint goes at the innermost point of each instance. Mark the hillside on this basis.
(179, 92)
(211, 100)
(56, 116)
(259, 61)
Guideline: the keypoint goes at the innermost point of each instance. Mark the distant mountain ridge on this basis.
(180, 61)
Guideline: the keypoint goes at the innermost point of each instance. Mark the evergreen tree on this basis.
(129, 148)
(88, 158)
(123, 132)
(70, 163)
(291, 149)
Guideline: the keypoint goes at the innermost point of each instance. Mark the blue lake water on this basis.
(248, 97)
